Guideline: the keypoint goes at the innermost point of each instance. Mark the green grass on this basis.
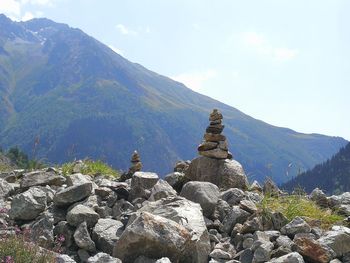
(14, 249)
(92, 168)
(296, 205)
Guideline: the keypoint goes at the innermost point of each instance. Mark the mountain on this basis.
(332, 176)
(65, 95)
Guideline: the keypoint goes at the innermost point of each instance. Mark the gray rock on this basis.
(5, 189)
(105, 233)
(262, 251)
(284, 241)
(232, 196)
(154, 236)
(77, 179)
(141, 184)
(220, 254)
(338, 240)
(278, 220)
(176, 180)
(80, 213)
(189, 215)
(143, 259)
(255, 186)
(223, 173)
(161, 190)
(250, 226)
(103, 192)
(62, 258)
(236, 215)
(121, 208)
(82, 238)
(41, 232)
(297, 225)
(28, 205)
(83, 255)
(204, 193)
(246, 256)
(42, 178)
(72, 194)
(293, 257)
(103, 258)
(248, 206)
(319, 197)
(270, 188)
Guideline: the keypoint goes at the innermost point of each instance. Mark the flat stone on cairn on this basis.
(215, 144)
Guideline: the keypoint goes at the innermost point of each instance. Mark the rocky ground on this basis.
(147, 219)
(205, 211)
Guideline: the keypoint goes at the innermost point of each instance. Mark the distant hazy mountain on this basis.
(75, 97)
(332, 176)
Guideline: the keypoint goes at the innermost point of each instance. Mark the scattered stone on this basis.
(28, 205)
(319, 197)
(141, 184)
(232, 196)
(62, 258)
(103, 258)
(293, 257)
(338, 240)
(65, 230)
(237, 215)
(255, 186)
(77, 179)
(154, 236)
(204, 193)
(248, 206)
(105, 233)
(297, 225)
(82, 238)
(42, 178)
(313, 251)
(72, 194)
(5, 189)
(270, 188)
(161, 190)
(80, 213)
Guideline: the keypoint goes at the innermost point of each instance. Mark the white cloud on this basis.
(116, 50)
(126, 31)
(38, 2)
(27, 16)
(260, 44)
(10, 7)
(195, 80)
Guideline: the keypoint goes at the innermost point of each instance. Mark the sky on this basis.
(286, 62)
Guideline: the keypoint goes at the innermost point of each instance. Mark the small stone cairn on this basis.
(136, 164)
(215, 144)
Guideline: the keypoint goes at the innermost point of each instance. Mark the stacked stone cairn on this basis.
(136, 164)
(215, 144)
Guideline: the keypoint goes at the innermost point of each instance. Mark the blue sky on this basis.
(284, 62)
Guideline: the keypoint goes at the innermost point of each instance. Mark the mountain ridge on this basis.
(79, 98)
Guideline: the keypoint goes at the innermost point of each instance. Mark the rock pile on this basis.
(215, 144)
(215, 164)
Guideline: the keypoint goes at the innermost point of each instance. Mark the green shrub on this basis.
(14, 249)
(295, 205)
(92, 168)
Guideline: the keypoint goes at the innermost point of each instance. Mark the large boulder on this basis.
(155, 237)
(28, 205)
(72, 194)
(337, 239)
(204, 193)
(80, 213)
(189, 215)
(42, 178)
(106, 232)
(141, 184)
(312, 250)
(223, 173)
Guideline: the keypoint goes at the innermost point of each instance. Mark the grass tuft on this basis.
(92, 168)
(295, 205)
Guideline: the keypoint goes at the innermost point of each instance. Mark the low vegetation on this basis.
(15, 249)
(92, 168)
(297, 205)
(16, 158)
